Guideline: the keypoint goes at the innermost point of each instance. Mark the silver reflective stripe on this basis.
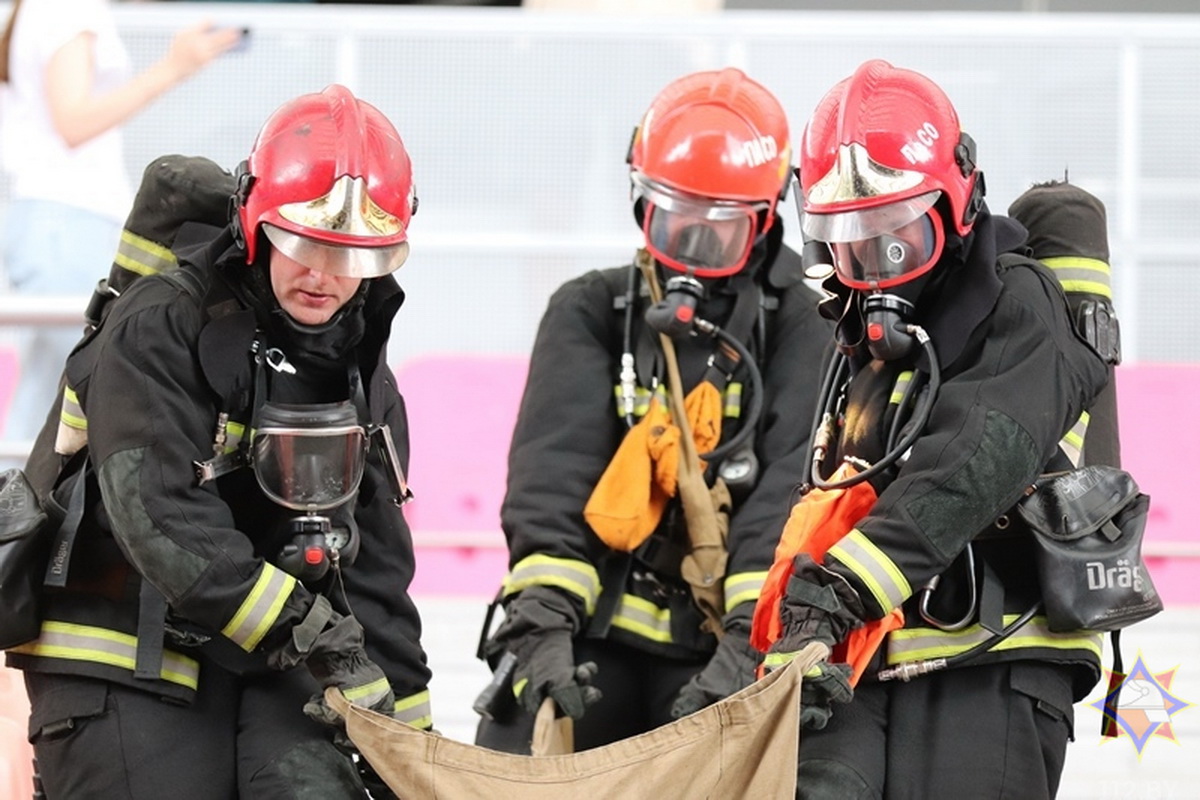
(743, 587)
(643, 618)
(261, 607)
(872, 566)
(72, 414)
(577, 577)
(74, 642)
(1072, 442)
(733, 400)
(234, 433)
(902, 382)
(1082, 275)
(142, 256)
(919, 644)
(368, 695)
(641, 400)
(415, 710)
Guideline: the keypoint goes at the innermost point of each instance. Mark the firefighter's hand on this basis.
(819, 609)
(331, 646)
(824, 684)
(539, 627)
(546, 668)
(732, 667)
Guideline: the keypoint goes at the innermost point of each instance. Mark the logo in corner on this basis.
(1145, 705)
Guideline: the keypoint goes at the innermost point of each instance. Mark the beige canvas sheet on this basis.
(744, 746)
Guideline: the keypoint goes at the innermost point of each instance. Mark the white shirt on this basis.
(91, 176)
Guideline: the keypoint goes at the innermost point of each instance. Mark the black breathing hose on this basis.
(756, 392)
(822, 434)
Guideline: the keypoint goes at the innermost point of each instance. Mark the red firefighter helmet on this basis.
(329, 177)
(710, 160)
(879, 151)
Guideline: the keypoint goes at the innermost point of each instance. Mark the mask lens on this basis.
(306, 458)
(707, 237)
(890, 258)
(690, 242)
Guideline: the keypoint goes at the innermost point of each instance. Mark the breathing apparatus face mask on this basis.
(886, 254)
(310, 459)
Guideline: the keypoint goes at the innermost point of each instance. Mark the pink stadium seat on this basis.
(10, 369)
(461, 411)
(1158, 432)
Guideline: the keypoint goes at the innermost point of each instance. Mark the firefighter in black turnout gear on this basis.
(241, 546)
(960, 380)
(599, 613)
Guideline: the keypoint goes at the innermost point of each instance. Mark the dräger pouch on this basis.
(1087, 526)
(25, 534)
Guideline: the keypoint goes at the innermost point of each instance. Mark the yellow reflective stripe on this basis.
(234, 433)
(1072, 442)
(261, 607)
(641, 399)
(1079, 274)
(519, 687)
(919, 644)
(142, 256)
(743, 587)
(74, 642)
(733, 400)
(902, 382)
(71, 413)
(369, 694)
(415, 710)
(577, 577)
(879, 573)
(772, 660)
(643, 618)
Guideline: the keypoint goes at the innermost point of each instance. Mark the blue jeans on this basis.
(49, 249)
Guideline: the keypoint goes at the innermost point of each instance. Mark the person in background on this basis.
(599, 613)
(68, 87)
(240, 545)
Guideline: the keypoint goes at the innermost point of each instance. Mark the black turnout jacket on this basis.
(172, 354)
(1015, 378)
(570, 425)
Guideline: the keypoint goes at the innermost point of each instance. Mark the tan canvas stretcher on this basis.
(744, 746)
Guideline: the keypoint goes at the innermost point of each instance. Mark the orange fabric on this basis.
(817, 522)
(704, 409)
(630, 497)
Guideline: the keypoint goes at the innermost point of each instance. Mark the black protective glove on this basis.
(331, 646)
(821, 607)
(732, 667)
(539, 627)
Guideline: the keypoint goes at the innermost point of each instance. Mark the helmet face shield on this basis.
(343, 261)
(705, 237)
(309, 458)
(881, 246)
